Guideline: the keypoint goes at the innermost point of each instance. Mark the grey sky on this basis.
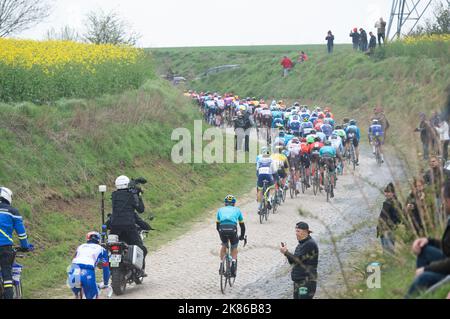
(165, 23)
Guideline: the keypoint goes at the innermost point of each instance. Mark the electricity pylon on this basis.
(406, 12)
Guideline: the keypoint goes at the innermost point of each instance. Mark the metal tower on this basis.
(406, 12)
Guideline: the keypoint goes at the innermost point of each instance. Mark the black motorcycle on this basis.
(126, 263)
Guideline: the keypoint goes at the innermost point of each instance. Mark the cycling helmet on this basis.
(317, 139)
(375, 121)
(321, 116)
(303, 140)
(296, 104)
(352, 122)
(6, 194)
(230, 200)
(295, 140)
(338, 127)
(122, 182)
(310, 139)
(264, 149)
(313, 132)
(306, 119)
(282, 134)
(327, 143)
(93, 237)
(328, 115)
(334, 136)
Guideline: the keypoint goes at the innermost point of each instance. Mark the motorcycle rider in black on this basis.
(126, 202)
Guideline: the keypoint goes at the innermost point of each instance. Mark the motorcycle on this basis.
(126, 263)
(16, 274)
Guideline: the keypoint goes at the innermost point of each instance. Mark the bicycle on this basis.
(316, 178)
(264, 213)
(329, 182)
(378, 153)
(292, 184)
(225, 269)
(351, 159)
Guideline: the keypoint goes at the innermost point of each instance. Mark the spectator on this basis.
(433, 256)
(381, 30)
(287, 65)
(372, 43)
(442, 129)
(416, 207)
(356, 37)
(363, 43)
(305, 260)
(330, 42)
(390, 217)
(242, 125)
(426, 135)
(303, 57)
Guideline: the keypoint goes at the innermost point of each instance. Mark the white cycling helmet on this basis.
(6, 194)
(122, 182)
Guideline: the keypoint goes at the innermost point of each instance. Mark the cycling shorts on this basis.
(281, 173)
(79, 278)
(228, 232)
(295, 162)
(329, 161)
(355, 141)
(265, 177)
(305, 160)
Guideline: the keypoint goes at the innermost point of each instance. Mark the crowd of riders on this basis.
(305, 137)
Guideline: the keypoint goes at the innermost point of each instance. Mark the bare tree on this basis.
(20, 15)
(109, 28)
(64, 34)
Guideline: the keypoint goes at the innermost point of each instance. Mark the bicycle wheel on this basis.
(315, 183)
(303, 180)
(327, 185)
(353, 155)
(284, 194)
(223, 277)
(292, 186)
(231, 279)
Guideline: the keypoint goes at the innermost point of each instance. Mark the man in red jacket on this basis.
(287, 65)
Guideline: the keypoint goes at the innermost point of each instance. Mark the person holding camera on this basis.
(126, 201)
(305, 260)
(10, 221)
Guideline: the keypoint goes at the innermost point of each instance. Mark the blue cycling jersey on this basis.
(229, 215)
(376, 130)
(353, 129)
(328, 151)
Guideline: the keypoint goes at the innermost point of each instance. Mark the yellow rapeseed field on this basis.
(50, 54)
(426, 38)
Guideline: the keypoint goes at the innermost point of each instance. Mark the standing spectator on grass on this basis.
(363, 42)
(433, 256)
(287, 65)
(443, 131)
(426, 135)
(356, 37)
(372, 43)
(381, 30)
(390, 218)
(330, 42)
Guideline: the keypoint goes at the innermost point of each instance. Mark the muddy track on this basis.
(188, 267)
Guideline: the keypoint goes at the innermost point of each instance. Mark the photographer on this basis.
(126, 201)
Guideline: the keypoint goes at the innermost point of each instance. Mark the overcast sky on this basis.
(168, 23)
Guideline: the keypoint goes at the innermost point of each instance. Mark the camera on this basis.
(134, 185)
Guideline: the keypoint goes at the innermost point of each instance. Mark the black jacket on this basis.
(124, 205)
(415, 216)
(330, 40)
(305, 260)
(373, 42)
(441, 266)
(243, 122)
(390, 216)
(363, 36)
(356, 37)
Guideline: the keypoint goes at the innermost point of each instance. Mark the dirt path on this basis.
(188, 266)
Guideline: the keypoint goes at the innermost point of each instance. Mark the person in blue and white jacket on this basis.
(81, 274)
(10, 221)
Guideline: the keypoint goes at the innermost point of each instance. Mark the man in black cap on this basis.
(305, 261)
